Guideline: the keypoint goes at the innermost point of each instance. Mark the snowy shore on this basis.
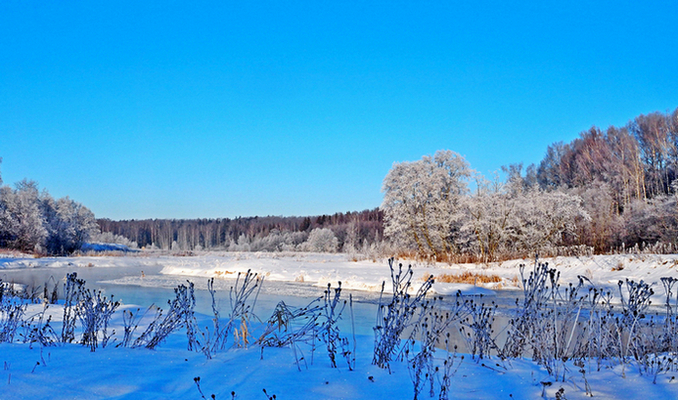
(71, 371)
(368, 275)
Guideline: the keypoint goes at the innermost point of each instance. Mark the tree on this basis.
(654, 220)
(627, 175)
(421, 201)
(545, 217)
(22, 220)
(551, 171)
(509, 218)
(603, 229)
(7, 222)
(68, 223)
(34, 221)
(321, 240)
(490, 217)
(652, 132)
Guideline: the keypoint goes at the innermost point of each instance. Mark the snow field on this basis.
(72, 371)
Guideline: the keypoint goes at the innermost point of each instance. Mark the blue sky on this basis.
(222, 109)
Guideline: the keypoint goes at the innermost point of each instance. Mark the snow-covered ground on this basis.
(73, 372)
(366, 275)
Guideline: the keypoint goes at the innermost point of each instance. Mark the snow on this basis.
(71, 371)
(319, 269)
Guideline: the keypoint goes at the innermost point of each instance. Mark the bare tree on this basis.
(652, 133)
(551, 171)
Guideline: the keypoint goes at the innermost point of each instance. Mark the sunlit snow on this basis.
(73, 372)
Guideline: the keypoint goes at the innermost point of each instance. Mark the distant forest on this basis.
(352, 231)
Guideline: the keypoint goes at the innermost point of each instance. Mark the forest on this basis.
(351, 231)
(610, 190)
(605, 191)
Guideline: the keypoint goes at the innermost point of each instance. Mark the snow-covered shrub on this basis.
(38, 330)
(321, 240)
(243, 244)
(603, 230)
(73, 291)
(652, 221)
(278, 241)
(95, 315)
(420, 348)
(476, 328)
(292, 326)
(109, 237)
(445, 371)
(241, 307)
(546, 319)
(509, 220)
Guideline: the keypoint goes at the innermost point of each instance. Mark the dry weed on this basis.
(472, 278)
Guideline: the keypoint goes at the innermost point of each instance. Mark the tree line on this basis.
(606, 190)
(352, 231)
(33, 221)
(603, 191)
(626, 177)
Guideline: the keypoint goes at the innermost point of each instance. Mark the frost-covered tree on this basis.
(552, 171)
(321, 240)
(69, 225)
(651, 221)
(21, 221)
(243, 244)
(110, 238)
(603, 229)
(653, 132)
(279, 241)
(7, 222)
(544, 217)
(34, 221)
(352, 240)
(422, 199)
(508, 219)
(490, 218)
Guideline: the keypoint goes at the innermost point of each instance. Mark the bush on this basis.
(321, 240)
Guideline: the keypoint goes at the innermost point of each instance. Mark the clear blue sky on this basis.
(169, 109)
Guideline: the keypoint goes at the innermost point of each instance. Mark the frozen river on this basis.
(143, 285)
